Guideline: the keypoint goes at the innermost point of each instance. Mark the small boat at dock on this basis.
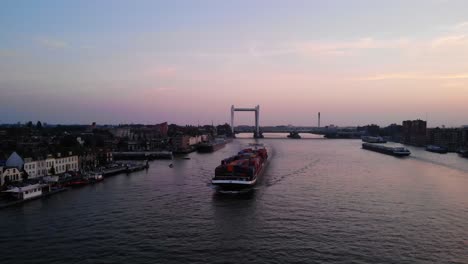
(94, 177)
(29, 192)
(211, 146)
(294, 135)
(436, 149)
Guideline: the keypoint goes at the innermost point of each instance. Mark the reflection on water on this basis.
(318, 201)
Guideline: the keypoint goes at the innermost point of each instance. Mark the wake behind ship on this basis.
(242, 170)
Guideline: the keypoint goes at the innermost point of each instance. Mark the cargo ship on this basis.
(242, 170)
(436, 149)
(394, 151)
(211, 146)
(370, 139)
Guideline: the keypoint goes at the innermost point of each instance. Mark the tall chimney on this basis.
(318, 119)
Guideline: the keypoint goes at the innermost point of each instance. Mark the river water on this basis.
(318, 201)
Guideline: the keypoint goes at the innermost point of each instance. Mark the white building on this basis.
(121, 132)
(195, 140)
(67, 163)
(41, 168)
(35, 168)
(9, 174)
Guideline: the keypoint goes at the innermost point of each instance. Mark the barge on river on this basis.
(211, 146)
(242, 170)
(394, 151)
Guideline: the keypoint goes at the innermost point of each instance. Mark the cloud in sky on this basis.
(52, 43)
(454, 35)
(450, 40)
(414, 76)
(462, 26)
(340, 48)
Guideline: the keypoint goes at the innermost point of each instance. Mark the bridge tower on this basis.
(256, 109)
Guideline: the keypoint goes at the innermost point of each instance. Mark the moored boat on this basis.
(94, 177)
(294, 135)
(394, 151)
(436, 149)
(242, 170)
(29, 192)
(211, 146)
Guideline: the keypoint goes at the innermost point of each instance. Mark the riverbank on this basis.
(78, 181)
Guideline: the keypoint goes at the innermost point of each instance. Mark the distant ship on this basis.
(211, 146)
(294, 135)
(370, 139)
(436, 149)
(394, 151)
(242, 170)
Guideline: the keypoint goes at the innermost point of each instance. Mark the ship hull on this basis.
(388, 151)
(238, 180)
(210, 148)
(234, 183)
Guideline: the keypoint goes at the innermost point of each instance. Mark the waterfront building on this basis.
(15, 161)
(197, 140)
(464, 138)
(370, 130)
(35, 168)
(121, 132)
(10, 174)
(66, 163)
(138, 145)
(50, 163)
(162, 129)
(414, 132)
(181, 142)
(88, 160)
(392, 132)
(450, 138)
(42, 167)
(104, 156)
(59, 164)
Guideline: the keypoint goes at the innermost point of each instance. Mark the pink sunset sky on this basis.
(187, 62)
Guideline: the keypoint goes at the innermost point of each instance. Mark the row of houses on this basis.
(16, 168)
(415, 132)
(186, 142)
